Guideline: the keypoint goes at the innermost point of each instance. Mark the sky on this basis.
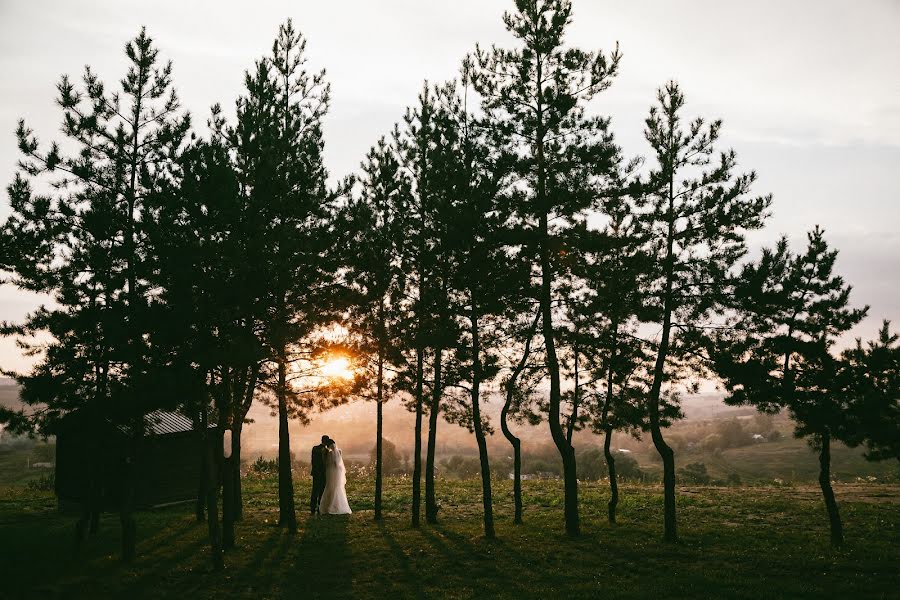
(809, 91)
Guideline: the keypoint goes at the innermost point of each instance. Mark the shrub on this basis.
(44, 483)
(261, 466)
(694, 473)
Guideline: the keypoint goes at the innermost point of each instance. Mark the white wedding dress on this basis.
(334, 498)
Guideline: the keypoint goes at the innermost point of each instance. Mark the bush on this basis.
(694, 473)
(627, 467)
(733, 479)
(460, 467)
(261, 466)
(391, 461)
(44, 483)
(591, 464)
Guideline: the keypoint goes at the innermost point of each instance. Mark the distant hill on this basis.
(9, 393)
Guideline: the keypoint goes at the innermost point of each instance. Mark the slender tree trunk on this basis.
(379, 429)
(486, 494)
(567, 453)
(227, 470)
(226, 466)
(89, 520)
(604, 419)
(126, 516)
(517, 455)
(287, 516)
(573, 418)
(417, 451)
(244, 408)
(201, 438)
(504, 421)
(126, 510)
(613, 483)
(431, 508)
(666, 453)
(237, 427)
(834, 518)
(212, 492)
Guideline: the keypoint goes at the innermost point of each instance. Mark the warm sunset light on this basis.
(337, 367)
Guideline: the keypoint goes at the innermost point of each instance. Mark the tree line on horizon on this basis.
(496, 236)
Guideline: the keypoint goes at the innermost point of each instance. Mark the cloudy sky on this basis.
(809, 91)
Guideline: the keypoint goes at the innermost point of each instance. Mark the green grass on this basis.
(735, 542)
(15, 461)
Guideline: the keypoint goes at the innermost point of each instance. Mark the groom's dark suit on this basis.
(318, 477)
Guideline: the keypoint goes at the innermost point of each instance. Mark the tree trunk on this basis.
(613, 483)
(566, 451)
(604, 419)
(665, 452)
(431, 508)
(230, 380)
(573, 417)
(287, 516)
(417, 452)
(212, 501)
(379, 429)
(228, 497)
(199, 509)
(486, 494)
(241, 414)
(89, 520)
(517, 456)
(834, 518)
(237, 427)
(126, 508)
(504, 423)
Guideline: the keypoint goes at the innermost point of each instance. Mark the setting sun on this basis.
(337, 367)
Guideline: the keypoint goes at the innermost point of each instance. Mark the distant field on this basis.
(16, 461)
(749, 543)
(790, 460)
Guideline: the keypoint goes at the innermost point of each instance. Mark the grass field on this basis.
(752, 542)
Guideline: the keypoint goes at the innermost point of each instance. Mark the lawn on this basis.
(750, 542)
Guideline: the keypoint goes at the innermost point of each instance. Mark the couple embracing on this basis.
(328, 479)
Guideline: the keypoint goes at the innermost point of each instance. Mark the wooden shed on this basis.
(167, 469)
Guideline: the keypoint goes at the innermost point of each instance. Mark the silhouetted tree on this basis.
(375, 246)
(697, 214)
(781, 354)
(278, 150)
(85, 245)
(485, 277)
(871, 375)
(425, 154)
(535, 97)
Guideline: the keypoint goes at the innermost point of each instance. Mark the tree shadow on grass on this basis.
(477, 564)
(319, 564)
(411, 582)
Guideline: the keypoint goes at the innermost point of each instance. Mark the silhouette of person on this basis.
(317, 464)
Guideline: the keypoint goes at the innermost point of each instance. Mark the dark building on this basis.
(167, 469)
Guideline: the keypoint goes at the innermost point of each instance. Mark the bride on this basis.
(334, 498)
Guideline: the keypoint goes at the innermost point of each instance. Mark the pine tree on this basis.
(375, 242)
(425, 153)
(698, 213)
(871, 376)
(535, 98)
(278, 149)
(485, 276)
(88, 251)
(613, 264)
(781, 354)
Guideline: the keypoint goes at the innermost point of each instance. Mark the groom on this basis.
(318, 474)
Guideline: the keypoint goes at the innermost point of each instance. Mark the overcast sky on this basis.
(809, 91)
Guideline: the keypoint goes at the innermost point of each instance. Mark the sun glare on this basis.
(337, 367)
